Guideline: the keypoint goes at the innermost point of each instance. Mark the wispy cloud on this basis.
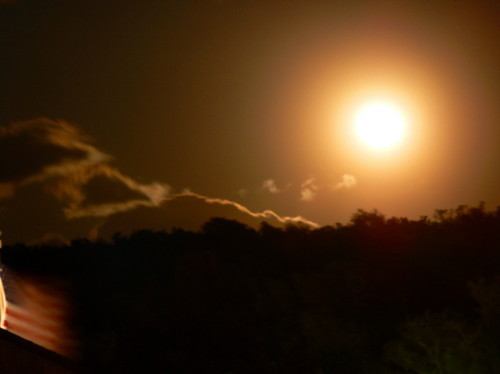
(115, 192)
(37, 149)
(55, 165)
(308, 190)
(58, 155)
(347, 181)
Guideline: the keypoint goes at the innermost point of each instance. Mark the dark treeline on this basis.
(376, 295)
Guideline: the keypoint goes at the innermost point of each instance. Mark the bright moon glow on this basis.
(380, 125)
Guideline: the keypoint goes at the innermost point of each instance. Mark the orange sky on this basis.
(109, 107)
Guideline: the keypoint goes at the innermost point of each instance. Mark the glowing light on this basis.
(380, 125)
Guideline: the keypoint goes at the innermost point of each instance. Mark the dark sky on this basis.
(241, 109)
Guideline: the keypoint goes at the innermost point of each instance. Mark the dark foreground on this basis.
(374, 296)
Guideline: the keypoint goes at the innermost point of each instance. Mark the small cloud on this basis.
(348, 181)
(309, 190)
(242, 192)
(307, 194)
(270, 186)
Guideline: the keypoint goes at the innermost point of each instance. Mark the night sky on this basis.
(120, 115)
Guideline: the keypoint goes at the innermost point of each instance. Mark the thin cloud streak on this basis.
(266, 214)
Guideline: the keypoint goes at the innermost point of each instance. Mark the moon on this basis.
(380, 125)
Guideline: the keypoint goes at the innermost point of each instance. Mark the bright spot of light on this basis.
(380, 125)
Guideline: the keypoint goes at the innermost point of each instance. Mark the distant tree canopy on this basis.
(376, 295)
